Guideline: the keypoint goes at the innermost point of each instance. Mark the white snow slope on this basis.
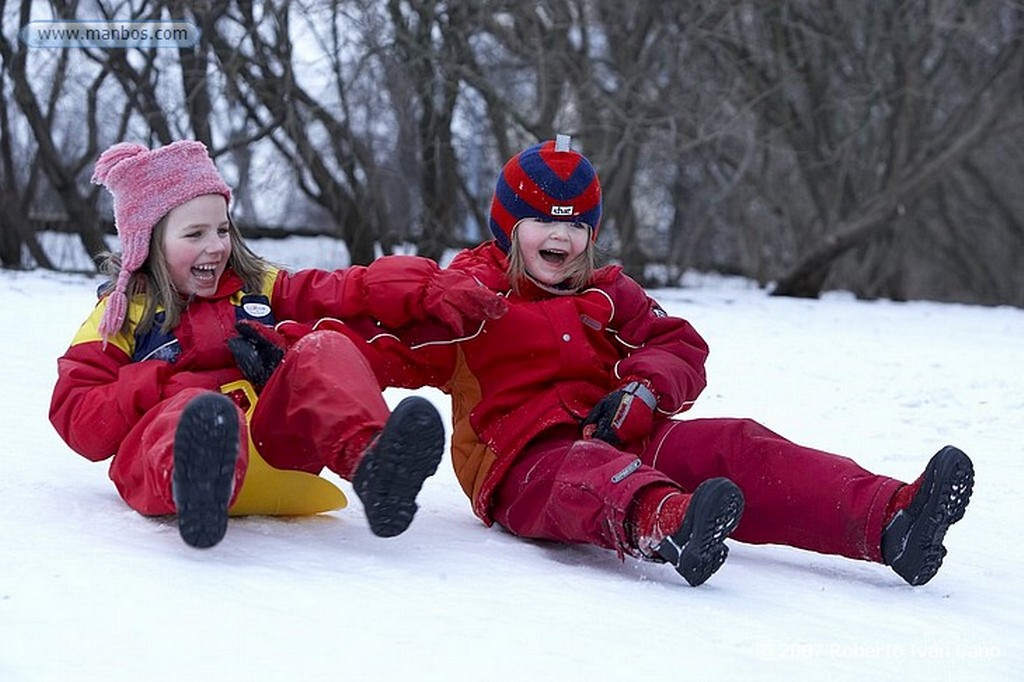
(90, 590)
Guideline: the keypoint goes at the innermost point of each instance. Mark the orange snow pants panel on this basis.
(568, 490)
(321, 408)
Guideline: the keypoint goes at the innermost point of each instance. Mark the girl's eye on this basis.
(193, 235)
(581, 226)
(222, 231)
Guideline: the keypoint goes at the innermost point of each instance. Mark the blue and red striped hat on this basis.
(547, 181)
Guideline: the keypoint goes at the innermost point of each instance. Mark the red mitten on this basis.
(460, 301)
(622, 416)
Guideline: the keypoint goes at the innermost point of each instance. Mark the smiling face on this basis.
(549, 247)
(197, 244)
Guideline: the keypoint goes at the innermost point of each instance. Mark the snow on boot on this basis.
(698, 548)
(912, 541)
(395, 466)
(657, 512)
(205, 450)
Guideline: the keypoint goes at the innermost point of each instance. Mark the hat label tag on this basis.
(561, 211)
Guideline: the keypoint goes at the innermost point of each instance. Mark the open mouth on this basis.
(553, 256)
(204, 273)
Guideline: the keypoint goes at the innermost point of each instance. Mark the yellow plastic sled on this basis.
(269, 491)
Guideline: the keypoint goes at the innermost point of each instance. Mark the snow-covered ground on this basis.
(90, 590)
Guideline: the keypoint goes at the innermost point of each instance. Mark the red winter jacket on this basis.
(102, 392)
(547, 362)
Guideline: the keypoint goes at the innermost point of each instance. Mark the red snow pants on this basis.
(321, 408)
(569, 490)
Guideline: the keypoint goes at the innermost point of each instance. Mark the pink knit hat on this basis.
(146, 185)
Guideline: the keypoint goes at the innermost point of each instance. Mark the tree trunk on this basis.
(806, 279)
(80, 210)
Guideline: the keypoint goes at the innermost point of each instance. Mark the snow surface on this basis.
(91, 590)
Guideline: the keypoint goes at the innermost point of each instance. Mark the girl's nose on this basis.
(560, 230)
(216, 244)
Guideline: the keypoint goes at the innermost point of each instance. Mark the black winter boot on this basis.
(395, 466)
(205, 450)
(698, 548)
(912, 542)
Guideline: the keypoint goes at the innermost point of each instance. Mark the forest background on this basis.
(875, 147)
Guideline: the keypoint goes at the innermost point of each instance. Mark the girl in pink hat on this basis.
(563, 408)
(192, 310)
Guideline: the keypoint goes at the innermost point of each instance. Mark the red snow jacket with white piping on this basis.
(103, 390)
(547, 362)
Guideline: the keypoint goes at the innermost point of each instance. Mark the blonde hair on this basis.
(578, 274)
(153, 279)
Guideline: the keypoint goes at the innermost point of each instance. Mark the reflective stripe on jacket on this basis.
(546, 363)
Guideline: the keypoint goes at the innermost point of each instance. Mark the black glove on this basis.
(258, 351)
(622, 416)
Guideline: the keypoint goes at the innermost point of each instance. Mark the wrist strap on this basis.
(641, 391)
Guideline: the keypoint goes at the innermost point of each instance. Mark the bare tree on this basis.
(873, 147)
(595, 70)
(878, 104)
(330, 161)
(427, 62)
(50, 159)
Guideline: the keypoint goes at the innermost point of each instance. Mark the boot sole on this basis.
(698, 548)
(205, 451)
(949, 482)
(407, 454)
